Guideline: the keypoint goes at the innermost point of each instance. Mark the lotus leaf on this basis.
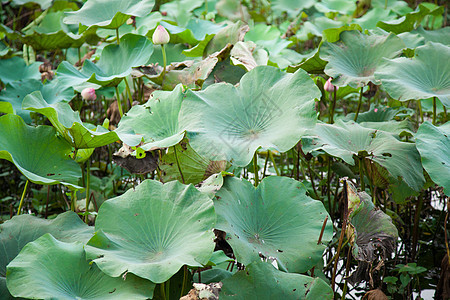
(426, 75)
(38, 153)
(108, 13)
(406, 23)
(16, 91)
(68, 123)
(14, 69)
(63, 273)
(260, 280)
(370, 229)
(255, 114)
(20, 230)
(44, 4)
(346, 140)
(433, 144)
(262, 221)
(153, 230)
(356, 57)
(155, 122)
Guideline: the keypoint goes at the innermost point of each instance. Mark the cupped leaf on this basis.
(425, 75)
(407, 22)
(108, 13)
(370, 232)
(255, 114)
(50, 269)
(153, 230)
(356, 57)
(38, 153)
(68, 123)
(20, 230)
(155, 122)
(16, 91)
(70, 76)
(346, 140)
(264, 222)
(248, 55)
(433, 144)
(260, 280)
(15, 68)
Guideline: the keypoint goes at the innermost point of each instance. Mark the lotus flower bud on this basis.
(160, 36)
(329, 87)
(88, 94)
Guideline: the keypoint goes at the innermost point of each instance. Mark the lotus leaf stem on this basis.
(183, 286)
(23, 197)
(255, 168)
(117, 36)
(361, 174)
(163, 49)
(333, 105)
(88, 192)
(329, 183)
(359, 103)
(130, 97)
(265, 163)
(434, 110)
(118, 102)
(273, 162)
(178, 164)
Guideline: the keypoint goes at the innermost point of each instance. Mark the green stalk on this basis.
(273, 162)
(255, 168)
(445, 113)
(434, 110)
(183, 286)
(361, 174)
(420, 111)
(23, 197)
(129, 92)
(73, 201)
(88, 192)
(117, 36)
(333, 105)
(178, 163)
(265, 164)
(164, 63)
(119, 105)
(359, 103)
(329, 184)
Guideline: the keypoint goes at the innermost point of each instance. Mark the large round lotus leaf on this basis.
(38, 153)
(20, 230)
(292, 7)
(225, 122)
(153, 230)
(262, 281)
(16, 91)
(70, 76)
(68, 123)
(14, 69)
(355, 58)
(156, 122)
(108, 13)
(50, 269)
(433, 144)
(116, 62)
(426, 75)
(345, 140)
(265, 221)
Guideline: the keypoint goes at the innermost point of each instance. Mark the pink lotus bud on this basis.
(160, 36)
(375, 110)
(329, 87)
(88, 94)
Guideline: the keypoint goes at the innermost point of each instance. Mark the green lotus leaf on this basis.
(6, 107)
(194, 167)
(373, 16)
(370, 230)
(37, 152)
(70, 76)
(68, 123)
(316, 27)
(50, 269)
(16, 91)
(346, 140)
(356, 57)
(260, 280)
(108, 13)
(255, 114)
(399, 7)
(5, 50)
(52, 34)
(425, 75)
(232, 10)
(433, 144)
(341, 6)
(180, 11)
(292, 7)
(264, 222)
(312, 64)
(20, 230)
(15, 68)
(155, 122)
(44, 4)
(441, 35)
(407, 22)
(153, 230)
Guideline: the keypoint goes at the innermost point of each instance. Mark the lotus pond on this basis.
(224, 149)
